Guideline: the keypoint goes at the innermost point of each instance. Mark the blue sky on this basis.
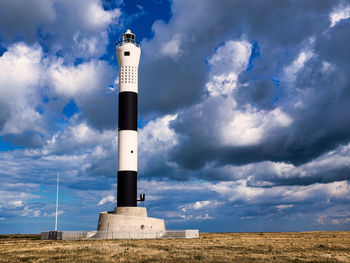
(244, 118)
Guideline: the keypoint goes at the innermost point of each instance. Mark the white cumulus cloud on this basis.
(250, 126)
(107, 199)
(226, 64)
(80, 80)
(172, 47)
(339, 13)
(20, 81)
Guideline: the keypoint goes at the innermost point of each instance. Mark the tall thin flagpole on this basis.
(58, 179)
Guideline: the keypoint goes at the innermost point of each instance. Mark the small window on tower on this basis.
(126, 53)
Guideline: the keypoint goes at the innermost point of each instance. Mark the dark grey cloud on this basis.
(166, 85)
(175, 81)
(101, 110)
(20, 19)
(321, 88)
(259, 92)
(73, 29)
(322, 124)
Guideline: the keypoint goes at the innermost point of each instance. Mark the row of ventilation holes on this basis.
(128, 74)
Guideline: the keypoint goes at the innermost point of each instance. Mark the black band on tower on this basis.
(127, 188)
(127, 114)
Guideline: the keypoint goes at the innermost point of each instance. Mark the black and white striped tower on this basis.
(129, 220)
(128, 53)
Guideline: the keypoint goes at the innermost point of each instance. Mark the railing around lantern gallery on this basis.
(129, 40)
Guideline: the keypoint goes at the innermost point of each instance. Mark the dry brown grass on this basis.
(210, 247)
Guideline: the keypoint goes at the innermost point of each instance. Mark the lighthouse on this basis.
(128, 220)
(128, 53)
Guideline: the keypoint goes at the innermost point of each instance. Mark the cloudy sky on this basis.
(244, 112)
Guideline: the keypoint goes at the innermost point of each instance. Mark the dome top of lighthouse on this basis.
(128, 37)
(128, 33)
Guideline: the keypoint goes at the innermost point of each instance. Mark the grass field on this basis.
(210, 247)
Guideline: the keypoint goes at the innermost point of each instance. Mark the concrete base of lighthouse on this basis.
(124, 223)
(129, 223)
